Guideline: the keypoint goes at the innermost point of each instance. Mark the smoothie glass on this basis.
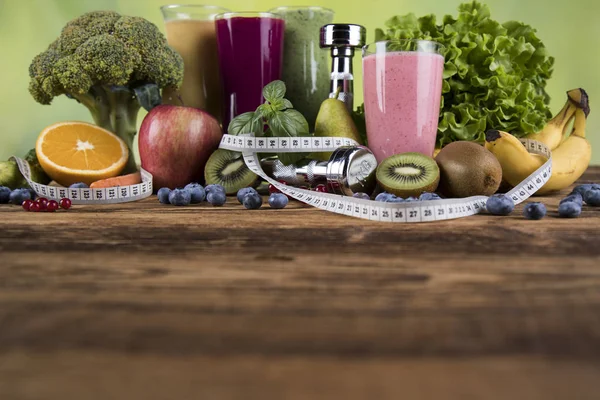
(305, 65)
(402, 82)
(191, 32)
(250, 46)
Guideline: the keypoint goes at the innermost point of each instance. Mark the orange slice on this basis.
(73, 152)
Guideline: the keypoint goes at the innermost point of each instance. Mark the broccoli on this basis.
(11, 177)
(110, 63)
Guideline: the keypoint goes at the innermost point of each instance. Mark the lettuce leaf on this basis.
(494, 74)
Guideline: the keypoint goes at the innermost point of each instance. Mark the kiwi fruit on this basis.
(408, 174)
(228, 169)
(468, 169)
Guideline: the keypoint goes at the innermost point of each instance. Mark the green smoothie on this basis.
(306, 67)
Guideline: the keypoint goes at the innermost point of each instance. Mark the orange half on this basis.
(73, 152)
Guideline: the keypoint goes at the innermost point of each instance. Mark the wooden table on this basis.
(145, 301)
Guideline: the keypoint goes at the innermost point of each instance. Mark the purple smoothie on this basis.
(402, 93)
(250, 56)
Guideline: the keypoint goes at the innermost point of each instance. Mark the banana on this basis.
(569, 160)
(554, 131)
(517, 163)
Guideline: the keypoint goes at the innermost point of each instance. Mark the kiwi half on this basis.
(408, 174)
(227, 168)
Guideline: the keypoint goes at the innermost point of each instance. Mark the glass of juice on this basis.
(305, 65)
(250, 46)
(191, 32)
(402, 85)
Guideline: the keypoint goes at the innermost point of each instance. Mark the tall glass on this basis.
(402, 82)
(305, 65)
(250, 46)
(191, 31)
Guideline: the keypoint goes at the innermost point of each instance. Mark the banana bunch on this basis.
(571, 154)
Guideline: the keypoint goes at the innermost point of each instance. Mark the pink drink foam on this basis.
(402, 93)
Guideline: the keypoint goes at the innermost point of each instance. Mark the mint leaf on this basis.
(266, 111)
(278, 105)
(288, 123)
(287, 104)
(274, 91)
(249, 122)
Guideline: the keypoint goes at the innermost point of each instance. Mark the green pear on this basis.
(334, 120)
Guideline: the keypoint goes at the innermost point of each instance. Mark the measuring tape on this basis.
(421, 211)
(112, 195)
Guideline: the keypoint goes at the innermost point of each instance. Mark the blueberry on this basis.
(212, 187)
(197, 192)
(216, 198)
(534, 211)
(592, 197)
(79, 185)
(18, 196)
(395, 199)
(361, 195)
(163, 195)
(4, 194)
(180, 197)
(410, 199)
(244, 191)
(278, 200)
(429, 196)
(581, 189)
(500, 204)
(33, 194)
(252, 201)
(574, 197)
(383, 196)
(569, 210)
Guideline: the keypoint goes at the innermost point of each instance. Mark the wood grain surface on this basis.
(146, 301)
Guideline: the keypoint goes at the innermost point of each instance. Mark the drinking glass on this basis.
(191, 32)
(250, 47)
(305, 65)
(402, 85)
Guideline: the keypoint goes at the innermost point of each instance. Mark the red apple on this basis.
(175, 143)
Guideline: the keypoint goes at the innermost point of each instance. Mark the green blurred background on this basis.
(569, 29)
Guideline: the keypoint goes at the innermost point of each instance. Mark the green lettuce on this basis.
(494, 74)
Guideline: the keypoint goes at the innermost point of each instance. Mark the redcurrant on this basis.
(43, 203)
(273, 189)
(52, 206)
(26, 205)
(34, 207)
(321, 188)
(65, 203)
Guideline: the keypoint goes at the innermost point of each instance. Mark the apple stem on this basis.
(180, 99)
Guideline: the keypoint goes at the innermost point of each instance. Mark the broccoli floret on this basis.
(110, 63)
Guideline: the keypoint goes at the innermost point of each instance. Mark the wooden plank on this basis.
(296, 303)
(101, 376)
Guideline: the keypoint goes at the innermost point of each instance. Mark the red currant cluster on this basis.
(44, 205)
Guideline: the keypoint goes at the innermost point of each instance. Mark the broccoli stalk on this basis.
(113, 65)
(116, 108)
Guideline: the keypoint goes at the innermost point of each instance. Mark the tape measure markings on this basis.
(422, 211)
(112, 195)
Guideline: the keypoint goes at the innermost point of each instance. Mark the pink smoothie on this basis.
(402, 93)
